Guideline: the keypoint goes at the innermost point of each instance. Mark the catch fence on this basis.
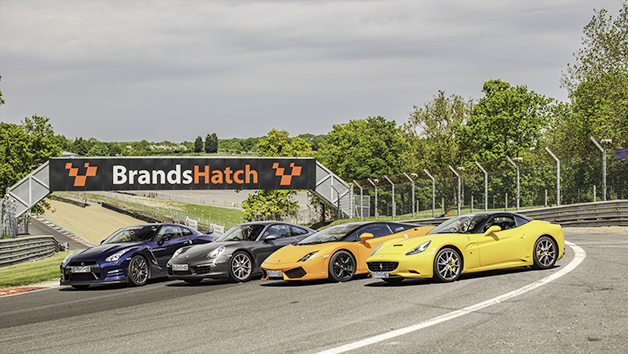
(581, 181)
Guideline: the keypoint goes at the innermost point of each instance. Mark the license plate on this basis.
(83, 269)
(380, 275)
(274, 273)
(180, 267)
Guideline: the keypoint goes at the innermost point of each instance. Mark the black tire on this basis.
(447, 265)
(193, 281)
(80, 287)
(138, 271)
(240, 267)
(545, 253)
(393, 280)
(341, 266)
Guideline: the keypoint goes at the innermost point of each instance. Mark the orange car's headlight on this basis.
(307, 256)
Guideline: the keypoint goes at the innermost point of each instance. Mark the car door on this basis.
(165, 248)
(282, 237)
(502, 246)
(381, 233)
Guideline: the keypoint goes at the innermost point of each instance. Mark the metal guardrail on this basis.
(25, 249)
(608, 213)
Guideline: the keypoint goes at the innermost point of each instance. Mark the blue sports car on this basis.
(131, 255)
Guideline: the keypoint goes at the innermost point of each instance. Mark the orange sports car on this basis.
(338, 252)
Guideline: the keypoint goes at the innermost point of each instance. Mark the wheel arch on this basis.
(332, 253)
(456, 248)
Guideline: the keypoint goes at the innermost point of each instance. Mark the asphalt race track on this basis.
(584, 311)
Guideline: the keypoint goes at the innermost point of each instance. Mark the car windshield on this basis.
(241, 233)
(142, 233)
(330, 234)
(464, 224)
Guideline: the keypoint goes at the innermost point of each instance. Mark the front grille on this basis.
(295, 273)
(84, 263)
(382, 266)
(182, 272)
(81, 276)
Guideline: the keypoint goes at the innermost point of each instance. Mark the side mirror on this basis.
(491, 230)
(102, 241)
(163, 238)
(270, 238)
(366, 236)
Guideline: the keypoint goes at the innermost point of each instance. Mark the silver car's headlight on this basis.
(422, 247)
(177, 252)
(216, 253)
(114, 257)
(376, 248)
(307, 256)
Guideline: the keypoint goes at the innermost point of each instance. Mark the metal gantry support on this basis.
(459, 186)
(604, 142)
(393, 196)
(374, 185)
(557, 175)
(361, 200)
(516, 166)
(433, 193)
(485, 185)
(411, 180)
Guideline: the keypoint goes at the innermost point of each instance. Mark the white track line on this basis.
(580, 255)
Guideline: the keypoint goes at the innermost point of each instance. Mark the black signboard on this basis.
(171, 173)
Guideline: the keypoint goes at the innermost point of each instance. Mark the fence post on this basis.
(459, 186)
(605, 142)
(433, 193)
(375, 195)
(361, 201)
(411, 180)
(393, 196)
(557, 177)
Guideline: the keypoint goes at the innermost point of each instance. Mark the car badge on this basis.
(468, 238)
(279, 261)
(82, 263)
(381, 267)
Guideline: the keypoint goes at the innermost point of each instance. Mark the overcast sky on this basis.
(175, 70)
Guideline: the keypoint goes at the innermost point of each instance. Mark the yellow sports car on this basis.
(470, 243)
(338, 252)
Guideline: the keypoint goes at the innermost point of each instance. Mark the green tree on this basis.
(198, 144)
(364, 148)
(266, 203)
(213, 148)
(1, 100)
(598, 88)
(24, 147)
(433, 132)
(507, 121)
(81, 146)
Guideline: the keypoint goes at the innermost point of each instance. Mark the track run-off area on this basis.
(579, 306)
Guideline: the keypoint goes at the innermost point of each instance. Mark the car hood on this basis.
(404, 245)
(292, 253)
(101, 251)
(192, 252)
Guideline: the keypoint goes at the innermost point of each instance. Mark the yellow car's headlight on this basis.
(422, 247)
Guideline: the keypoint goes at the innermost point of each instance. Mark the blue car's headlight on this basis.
(422, 247)
(114, 257)
(66, 260)
(307, 256)
(376, 248)
(216, 253)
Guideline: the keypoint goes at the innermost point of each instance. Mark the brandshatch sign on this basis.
(170, 173)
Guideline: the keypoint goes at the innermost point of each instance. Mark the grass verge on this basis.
(32, 272)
